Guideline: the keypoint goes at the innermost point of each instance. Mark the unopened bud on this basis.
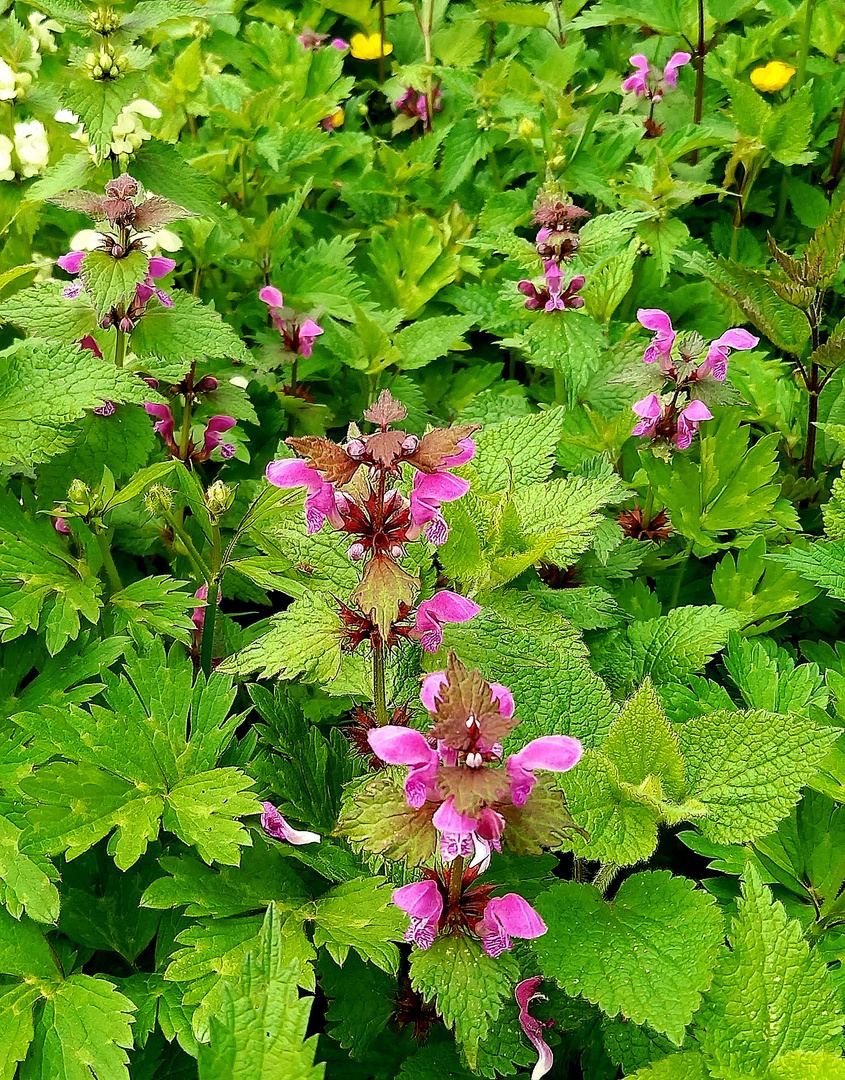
(126, 325)
(356, 449)
(207, 384)
(79, 493)
(151, 382)
(527, 128)
(219, 496)
(397, 551)
(107, 321)
(410, 444)
(356, 551)
(159, 500)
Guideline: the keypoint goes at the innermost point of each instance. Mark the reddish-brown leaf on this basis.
(438, 445)
(385, 447)
(326, 457)
(387, 410)
(467, 696)
(157, 211)
(472, 788)
(86, 202)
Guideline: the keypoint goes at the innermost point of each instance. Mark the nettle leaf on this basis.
(426, 340)
(748, 768)
(468, 987)
(98, 103)
(647, 955)
(566, 508)
(185, 331)
(755, 587)
(42, 586)
(358, 915)
(157, 604)
(42, 311)
(822, 563)
(679, 644)
(770, 995)
(555, 691)
(260, 1029)
(827, 247)
(570, 344)
(112, 282)
(26, 884)
(644, 748)
(34, 418)
(303, 640)
(83, 1032)
(145, 760)
(517, 451)
(375, 817)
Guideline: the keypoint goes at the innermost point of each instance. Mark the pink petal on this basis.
(309, 329)
(271, 296)
(420, 898)
(275, 825)
(655, 319)
(736, 338)
(504, 697)
(676, 60)
(639, 61)
(556, 753)
(525, 993)
(143, 292)
(61, 526)
(448, 820)
(516, 915)
(293, 472)
(430, 685)
(401, 746)
(697, 411)
(160, 266)
(90, 343)
(445, 607)
(71, 262)
(165, 424)
(339, 44)
(649, 408)
(467, 451)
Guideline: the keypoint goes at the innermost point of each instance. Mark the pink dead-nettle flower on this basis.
(310, 39)
(275, 825)
(432, 489)
(165, 424)
(435, 680)
(505, 918)
(678, 427)
(660, 348)
(414, 104)
(423, 902)
(61, 526)
(158, 267)
(298, 337)
(716, 361)
(457, 831)
(638, 82)
(108, 408)
(443, 607)
(214, 430)
(646, 81)
(688, 421)
(525, 993)
(552, 753)
(198, 614)
(650, 411)
(552, 296)
(407, 746)
(321, 503)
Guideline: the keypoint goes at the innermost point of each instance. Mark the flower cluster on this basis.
(298, 333)
(28, 154)
(686, 378)
(648, 82)
(459, 777)
(414, 105)
(191, 389)
(557, 243)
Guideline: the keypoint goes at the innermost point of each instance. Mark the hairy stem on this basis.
(382, 29)
(115, 584)
(700, 53)
(119, 347)
(190, 548)
(207, 647)
(604, 878)
(648, 509)
(379, 690)
(804, 45)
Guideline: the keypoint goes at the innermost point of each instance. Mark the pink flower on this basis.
(198, 614)
(638, 82)
(165, 423)
(298, 337)
(61, 526)
(650, 411)
(552, 296)
(670, 72)
(435, 679)
(90, 343)
(214, 429)
(271, 296)
(456, 831)
(716, 361)
(663, 340)
(423, 902)
(406, 746)
(306, 335)
(526, 992)
(553, 753)
(108, 408)
(491, 825)
(158, 268)
(688, 421)
(275, 825)
(321, 500)
(339, 44)
(72, 263)
(443, 607)
(507, 917)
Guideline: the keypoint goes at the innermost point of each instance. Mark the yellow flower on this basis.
(773, 76)
(369, 46)
(338, 119)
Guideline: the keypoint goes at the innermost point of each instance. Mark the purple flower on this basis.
(435, 679)
(298, 337)
(716, 361)
(638, 82)
(553, 753)
(650, 411)
(688, 421)
(272, 297)
(457, 831)
(339, 44)
(159, 267)
(526, 992)
(552, 296)
(406, 746)
(670, 72)
(61, 526)
(306, 335)
(198, 614)
(661, 344)
(275, 825)
(72, 263)
(165, 423)
(108, 408)
(321, 500)
(491, 825)
(214, 429)
(507, 917)
(443, 607)
(90, 343)
(423, 902)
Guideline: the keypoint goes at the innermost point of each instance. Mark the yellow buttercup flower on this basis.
(369, 46)
(772, 76)
(338, 119)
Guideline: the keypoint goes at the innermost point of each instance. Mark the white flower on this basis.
(66, 116)
(41, 27)
(128, 133)
(239, 380)
(86, 240)
(12, 83)
(161, 240)
(32, 147)
(6, 148)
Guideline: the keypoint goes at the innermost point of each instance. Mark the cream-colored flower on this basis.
(31, 147)
(128, 132)
(86, 240)
(13, 84)
(161, 240)
(6, 148)
(42, 30)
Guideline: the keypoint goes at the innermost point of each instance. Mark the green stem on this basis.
(804, 45)
(700, 53)
(119, 348)
(207, 647)
(190, 549)
(837, 146)
(382, 29)
(604, 878)
(679, 577)
(185, 432)
(115, 584)
(379, 690)
(426, 26)
(244, 184)
(560, 388)
(648, 510)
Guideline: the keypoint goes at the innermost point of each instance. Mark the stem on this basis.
(426, 27)
(560, 388)
(700, 53)
(207, 647)
(578, 869)
(804, 45)
(382, 29)
(185, 432)
(115, 584)
(813, 315)
(648, 511)
(195, 291)
(604, 878)
(379, 691)
(560, 34)
(679, 577)
(491, 44)
(837, 146)
(119, 347)
(783, 198)
(456, 880)
(190, 549)
(244, 184)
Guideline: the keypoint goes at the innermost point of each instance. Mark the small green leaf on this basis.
(111, 282)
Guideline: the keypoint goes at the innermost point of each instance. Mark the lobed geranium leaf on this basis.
(25, 883)
(16, 1023)
(156, 604)
(648, 954)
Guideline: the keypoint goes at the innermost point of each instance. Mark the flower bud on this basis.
(410, 444)
(396, 551)
(159, 500)
(356, 449)
(79, 493)
(207, 384)
(107, 321)
(126, 325)
(356, 551)
(219, 497)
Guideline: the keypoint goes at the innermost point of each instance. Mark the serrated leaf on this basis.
(16, 1023)
(756, 587)
(375, 817)
(648, 954)
(24, 950)
(111, 282)
(98, 103)
(426, 340)
(24, 885)
(361, 915)
(679, 644)
(768, 678)
(43, 311)
(748, 768)
(158, 604)
(185, 331)
(822, 563)
(203, 811)
(467, 986)
(642, 745)
(519, 451)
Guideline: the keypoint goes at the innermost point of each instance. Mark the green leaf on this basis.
(427, 340)
(24, 950)
(757, 588)
(303, 640)
(16, 1004)
(111, 282)
(361, 1002)
(411, 263)
(768, 678)
(568, 509)
(828, 246)
(807, 1065)
(748, 768)
(34, 418)
(375, 817)
(515, 451)
(186, 331)
(679, 644)
(160, 167)
(83, 1032)
(464, 146)
(687, 1066)
(822, 563)
(770, 994)
(260, 1030)
(467, 987)
(644, 748)
(361, 915)
(570, 344)
(203, 811)
(648, 955)
(42, 311)
(788, 131)
(98, 103)
(156, 604)
(24, 884)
